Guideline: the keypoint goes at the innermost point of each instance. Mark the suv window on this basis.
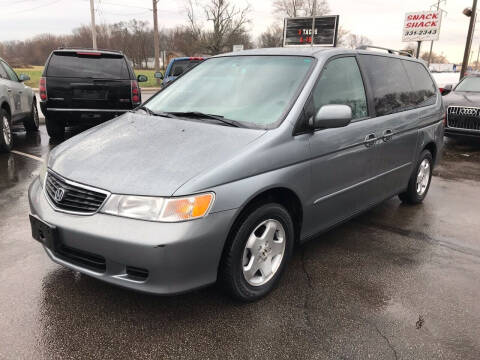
(77, 65)
(424, 89)
(181, 66)
(11, 74)
(3, 73)
(392, 91)
(341, 84)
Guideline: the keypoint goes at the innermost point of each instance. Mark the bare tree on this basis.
(272, 37)
(353, 41)
(294, 8)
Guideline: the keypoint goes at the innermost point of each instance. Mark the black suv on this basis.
(85, 86)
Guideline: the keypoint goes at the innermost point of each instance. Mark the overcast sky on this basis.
(380, 20)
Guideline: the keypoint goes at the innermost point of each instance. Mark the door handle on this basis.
(387, 135)
(9, 90)
(20, 92)
(370, 140)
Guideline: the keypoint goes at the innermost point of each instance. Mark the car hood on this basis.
(147, 155)
(462, 99)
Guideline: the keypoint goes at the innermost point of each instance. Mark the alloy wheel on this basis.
(263, 252)
(423, 177)
(7, 132)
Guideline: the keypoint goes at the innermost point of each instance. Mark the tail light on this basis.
(42, 88)
(135, 93)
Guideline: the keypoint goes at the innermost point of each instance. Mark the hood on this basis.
(147, 155)
(462, 99)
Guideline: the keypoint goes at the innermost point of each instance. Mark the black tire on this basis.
(55, 127)
(33, 121)
(231, 273)
(412, 196)
(6, 136)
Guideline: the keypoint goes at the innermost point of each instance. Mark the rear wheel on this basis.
(6, 140)
(419, 181)
(55, 127)
(33, 121)
(256, 256)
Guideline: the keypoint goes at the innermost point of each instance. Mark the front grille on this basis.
(70, 197)
(462, 117)
(80, 258)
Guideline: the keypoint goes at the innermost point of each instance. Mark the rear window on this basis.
(181, 66)
(424, 89)
(75, 65)
(391, 89)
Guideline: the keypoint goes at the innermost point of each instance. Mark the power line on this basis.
(33, 8)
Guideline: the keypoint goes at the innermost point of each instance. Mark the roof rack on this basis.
(390, 51)
(86, 48)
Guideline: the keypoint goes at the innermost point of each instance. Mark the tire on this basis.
(55, 127)
(242, 257)
(6, 137)
(419, 184)
(33, 121)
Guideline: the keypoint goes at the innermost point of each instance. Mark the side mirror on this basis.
(446, 89)
(142, 78)
(23, 77)
(332, 116)
(158, 75)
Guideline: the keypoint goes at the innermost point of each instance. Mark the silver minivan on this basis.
(222, 173)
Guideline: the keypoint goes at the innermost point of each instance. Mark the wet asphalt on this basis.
(397, 282)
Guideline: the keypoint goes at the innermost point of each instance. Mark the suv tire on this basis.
(263, 240)
(32, 122)
(55, 127)
(6, 138)
(420, 180)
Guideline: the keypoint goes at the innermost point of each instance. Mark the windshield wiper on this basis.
(200, 115)
(153, 113)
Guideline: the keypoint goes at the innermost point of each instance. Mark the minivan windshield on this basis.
(469, 84)
(252, 90)
(82, 65)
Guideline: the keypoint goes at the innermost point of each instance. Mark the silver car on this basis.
(221, 174)
(17, 105)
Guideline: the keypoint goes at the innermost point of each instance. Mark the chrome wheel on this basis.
(423, 177)
(7, 133)
(263, 252)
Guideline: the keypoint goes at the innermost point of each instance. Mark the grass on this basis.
(35, 72)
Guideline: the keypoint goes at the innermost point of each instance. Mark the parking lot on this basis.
(397, 282)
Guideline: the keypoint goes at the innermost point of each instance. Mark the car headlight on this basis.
(159, 209)
(43, 173)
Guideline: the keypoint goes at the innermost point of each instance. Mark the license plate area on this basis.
(43, 232)
(87, 94)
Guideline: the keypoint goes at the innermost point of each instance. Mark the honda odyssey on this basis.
(222, 173)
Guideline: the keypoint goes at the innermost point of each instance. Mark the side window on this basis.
(10, 72)
(424, 90)
(392, 91)
(341, 84)
(3, 73)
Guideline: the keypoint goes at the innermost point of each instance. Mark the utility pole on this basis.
(94, 30)
(431, 45)
(156, 44)
(314, 10)
(468, 45)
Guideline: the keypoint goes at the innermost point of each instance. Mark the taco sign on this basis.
(422, 26)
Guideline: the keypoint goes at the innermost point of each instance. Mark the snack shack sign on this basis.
(422, 26)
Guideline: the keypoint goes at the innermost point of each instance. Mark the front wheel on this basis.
(255, 257)
(6, 139)
(33, 121)
(419, 181)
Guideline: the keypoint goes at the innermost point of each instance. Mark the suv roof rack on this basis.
(390, 51)
(87, 48)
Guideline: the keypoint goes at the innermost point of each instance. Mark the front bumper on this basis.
(178, 256)
(462, 133)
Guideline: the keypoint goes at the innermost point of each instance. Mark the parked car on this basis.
(463, 107)
(18, 105)
(218, 177)
(85, 86)
(177, 67)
